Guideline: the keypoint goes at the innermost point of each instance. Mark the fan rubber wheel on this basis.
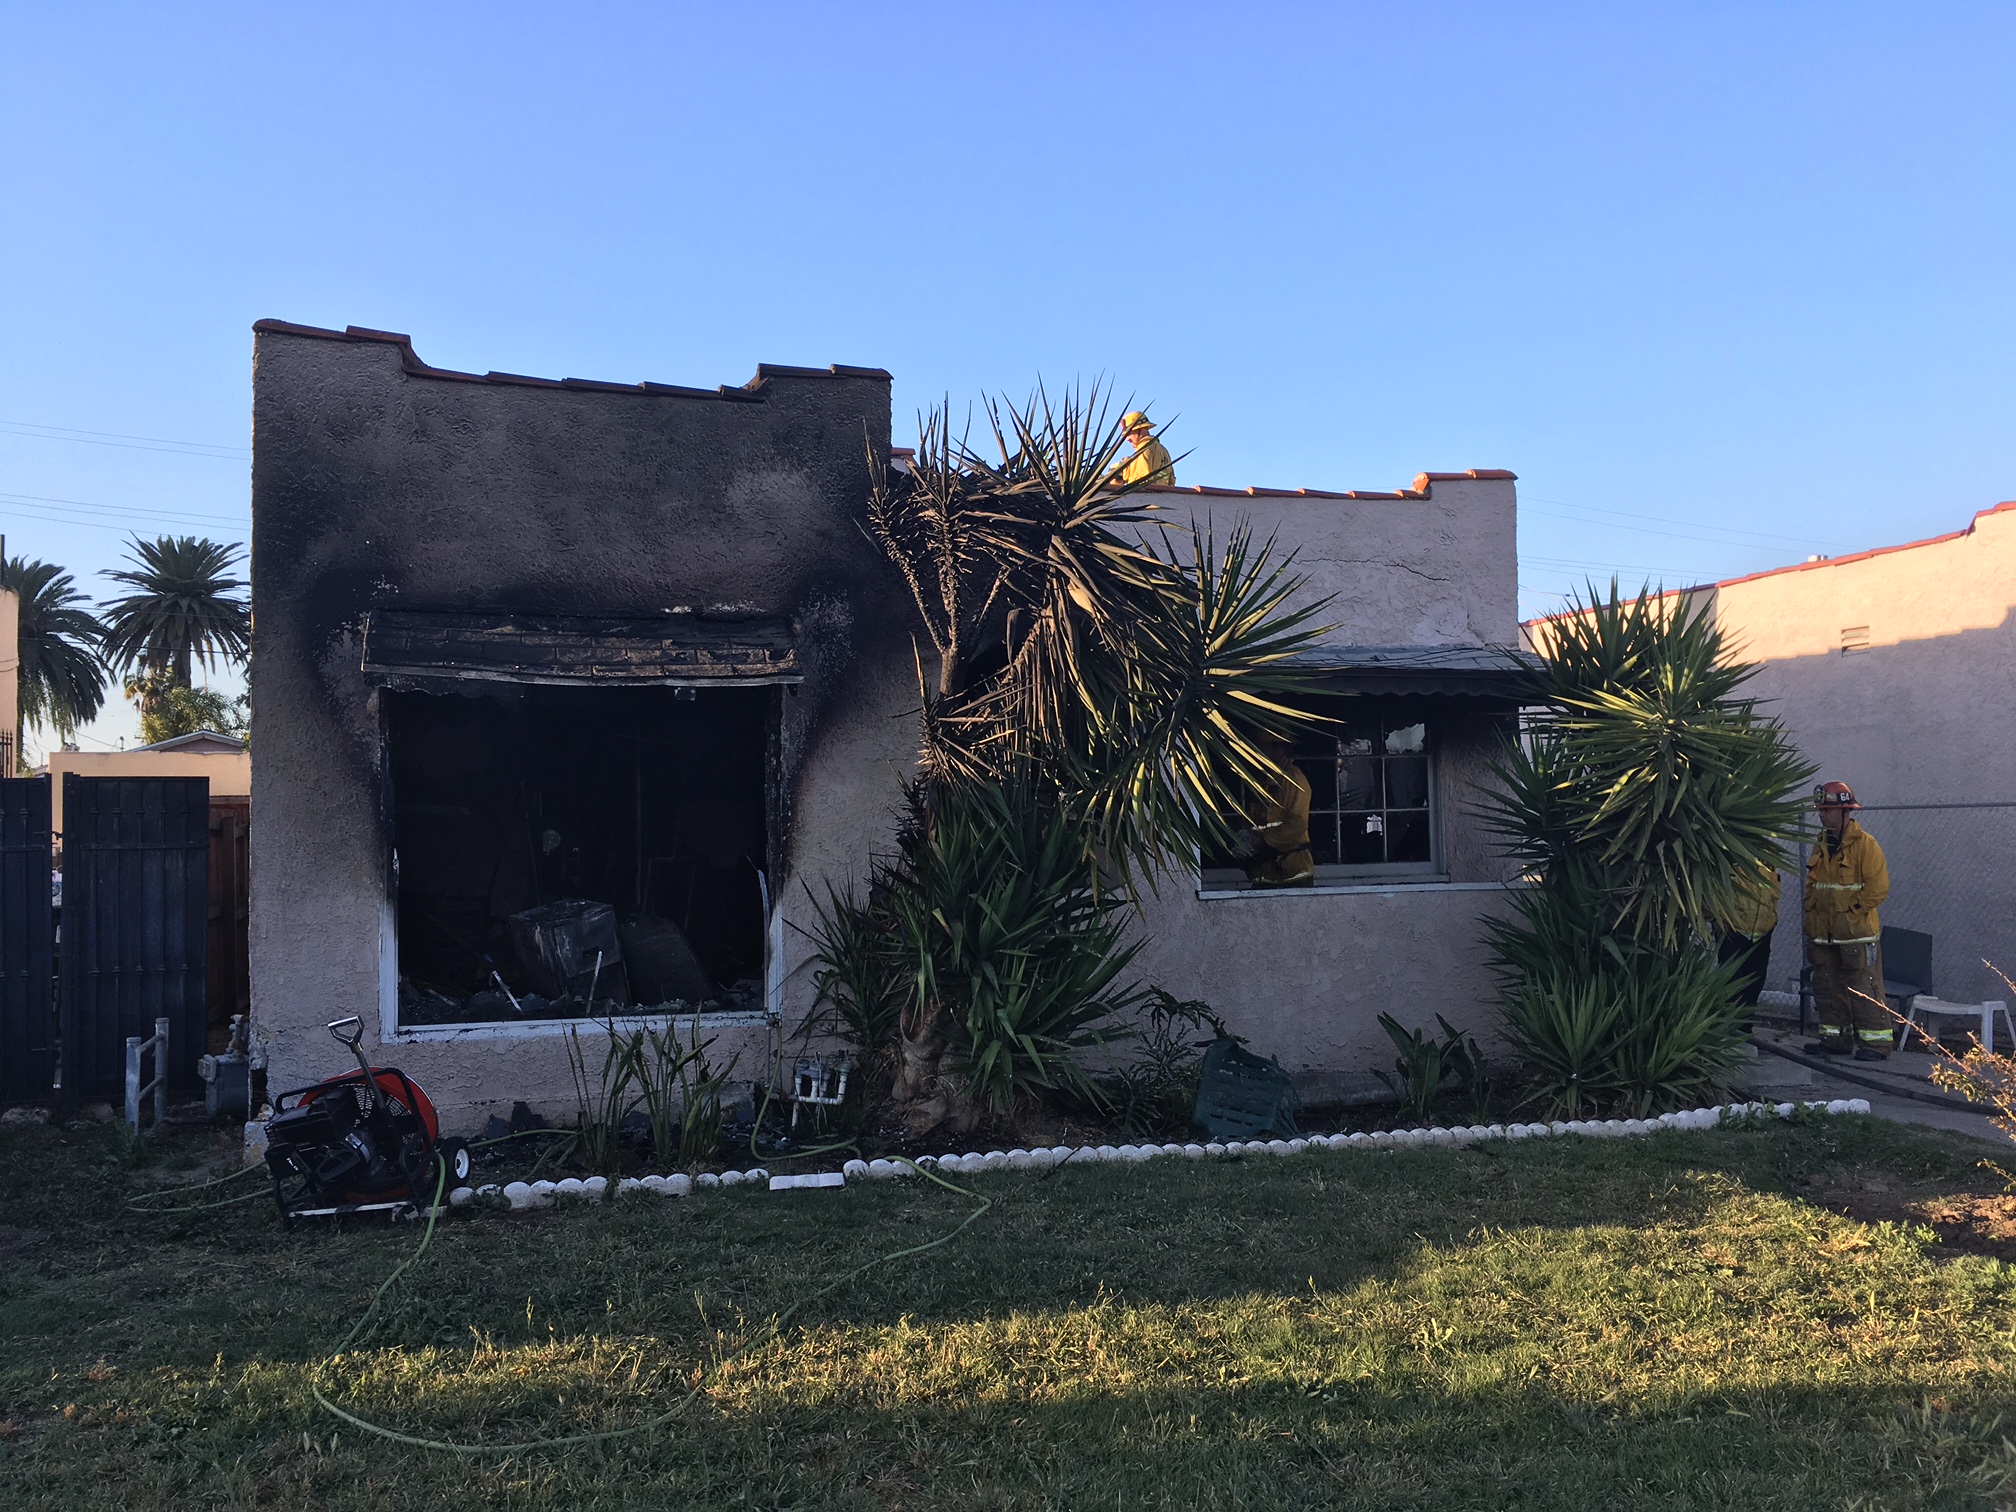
(456, 1161)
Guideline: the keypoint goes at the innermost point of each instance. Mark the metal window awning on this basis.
(409, 648)
(1500, 672)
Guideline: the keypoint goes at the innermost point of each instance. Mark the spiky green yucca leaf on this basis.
(1645, 758)
(989, 914)
(186, 607)
(1644, 788)
(62, 682)
(1137, 683)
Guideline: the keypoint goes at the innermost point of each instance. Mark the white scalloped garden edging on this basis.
(539, 1194)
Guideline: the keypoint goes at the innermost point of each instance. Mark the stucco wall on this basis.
(1305, 974)
(1925, 715)
(10, 666)
(378, 483)
(230, 774)
(1435, 564)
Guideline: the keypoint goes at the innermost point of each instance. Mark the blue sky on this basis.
(1725, 285)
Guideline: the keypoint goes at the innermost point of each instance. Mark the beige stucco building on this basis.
(1895, 672)
(222, 759)
(10, 680)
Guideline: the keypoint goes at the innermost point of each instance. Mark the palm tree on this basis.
(187, 609)
(62, 682)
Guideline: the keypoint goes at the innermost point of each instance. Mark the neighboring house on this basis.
(202, 753)
(521, 641)
(10, 676)
(1895, 671)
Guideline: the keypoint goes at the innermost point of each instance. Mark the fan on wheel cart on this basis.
(367, 1141)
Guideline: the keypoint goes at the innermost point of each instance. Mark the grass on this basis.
(1665, 1322)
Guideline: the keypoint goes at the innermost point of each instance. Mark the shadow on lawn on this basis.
(1537, 1325)
(1171, 1233)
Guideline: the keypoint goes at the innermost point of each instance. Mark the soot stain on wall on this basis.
(380, 483)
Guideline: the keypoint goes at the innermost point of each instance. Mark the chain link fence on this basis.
(1952, 876)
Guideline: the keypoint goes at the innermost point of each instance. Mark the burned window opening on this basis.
(536, 826)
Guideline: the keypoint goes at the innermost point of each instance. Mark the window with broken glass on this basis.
(1371, 802)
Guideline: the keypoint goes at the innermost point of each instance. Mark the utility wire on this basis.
(30, 430)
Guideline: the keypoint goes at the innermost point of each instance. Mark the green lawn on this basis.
(1663, 1322)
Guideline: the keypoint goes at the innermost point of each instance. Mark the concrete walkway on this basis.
(1788, 1081)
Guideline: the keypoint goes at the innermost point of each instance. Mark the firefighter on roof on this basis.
(1846, 881)
(1150, 462)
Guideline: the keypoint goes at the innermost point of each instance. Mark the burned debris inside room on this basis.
(566, 852)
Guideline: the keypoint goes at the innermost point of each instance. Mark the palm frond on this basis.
(62, 681)
(186, 607)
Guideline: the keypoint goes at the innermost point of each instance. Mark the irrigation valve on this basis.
(819, 1084)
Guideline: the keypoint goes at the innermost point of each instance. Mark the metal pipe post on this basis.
(160, 1072)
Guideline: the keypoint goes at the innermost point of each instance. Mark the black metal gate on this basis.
(27, 1025)
(136, 915)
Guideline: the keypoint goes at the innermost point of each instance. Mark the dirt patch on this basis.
(1974, 1223)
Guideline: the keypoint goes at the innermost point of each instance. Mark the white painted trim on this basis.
(388, 969)
(1386, 889)
(737, 1018)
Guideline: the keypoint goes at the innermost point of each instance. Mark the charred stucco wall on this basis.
(1305, 973)
(379, 483)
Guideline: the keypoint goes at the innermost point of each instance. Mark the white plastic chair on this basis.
(1938, 1008)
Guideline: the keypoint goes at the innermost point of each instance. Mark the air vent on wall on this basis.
(1854, 639)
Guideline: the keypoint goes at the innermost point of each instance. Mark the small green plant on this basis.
(1156, 1091)
(661, 1064)
(700, 1089)
(603, 1099)
(1426, 1065)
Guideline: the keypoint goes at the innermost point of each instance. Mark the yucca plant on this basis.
(1103, 693)
(989, 958)
(1084, 646)
(1644, 787)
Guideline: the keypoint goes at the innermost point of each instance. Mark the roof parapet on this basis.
(411, 363)
(1423, 486)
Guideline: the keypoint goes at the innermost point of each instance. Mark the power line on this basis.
(1690, 529)
(31, 431)
(42, 507)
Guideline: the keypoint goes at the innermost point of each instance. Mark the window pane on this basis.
(1355, 742)
(1407, 782)
(1322, 774)
(1407, 837)
(1359, 783)
(1363, 839)
(1323, 839)
(1407, 740)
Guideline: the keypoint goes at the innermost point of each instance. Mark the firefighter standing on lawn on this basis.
(1846, 881)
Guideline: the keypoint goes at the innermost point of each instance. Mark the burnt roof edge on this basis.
(410, 361)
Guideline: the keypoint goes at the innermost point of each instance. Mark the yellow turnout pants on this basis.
(1848, 982)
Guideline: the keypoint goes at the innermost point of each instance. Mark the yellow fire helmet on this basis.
(1135, 420)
